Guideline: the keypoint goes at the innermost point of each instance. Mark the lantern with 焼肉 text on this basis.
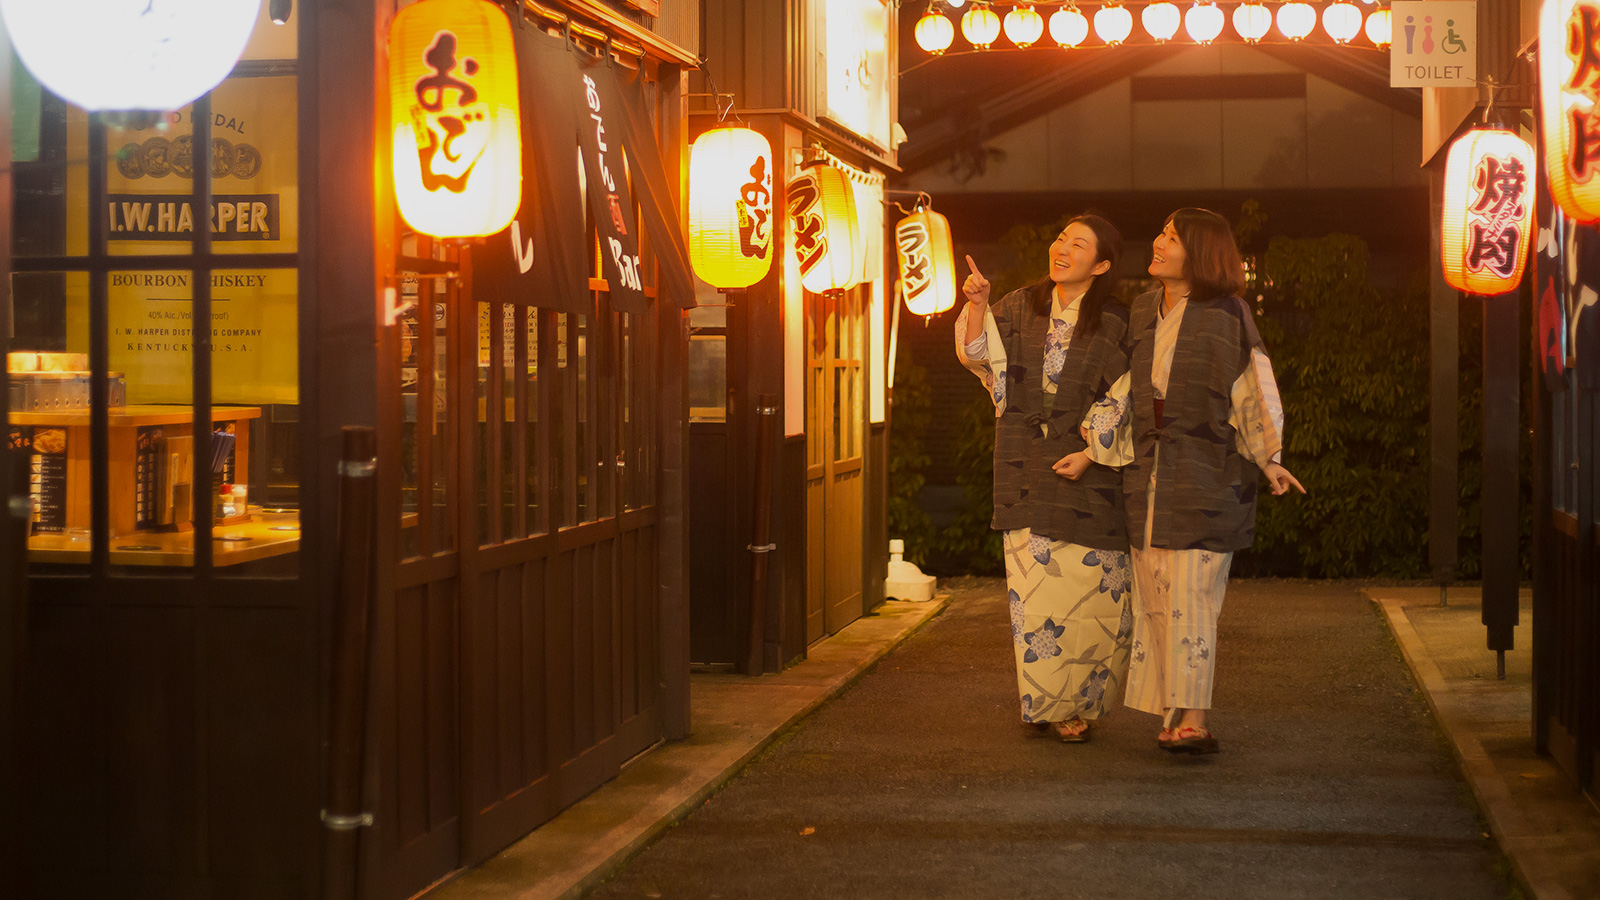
(824, 229)
(117, 56)
(1569, 86)
(927, 264)
(454, 120)
(1488, 211)
(730, 207)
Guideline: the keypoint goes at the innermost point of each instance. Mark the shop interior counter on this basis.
(265, 534)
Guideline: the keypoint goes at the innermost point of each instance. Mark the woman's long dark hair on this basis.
(1211, 264)
(1107, 247)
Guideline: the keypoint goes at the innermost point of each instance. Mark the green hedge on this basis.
(1352, 368)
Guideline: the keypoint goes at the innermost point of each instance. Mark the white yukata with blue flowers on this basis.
(1071, 605)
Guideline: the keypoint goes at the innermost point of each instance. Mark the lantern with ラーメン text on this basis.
(730, 207)
(927, 263)
(1569, 86)
(453, 111)
(825, 229)
(1488, 211)
(121, 56)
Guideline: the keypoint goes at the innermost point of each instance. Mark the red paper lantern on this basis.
(1487, 218)
(453, 113)
(1569, 88)
(730, 207)
(927, 262)
(824, 229)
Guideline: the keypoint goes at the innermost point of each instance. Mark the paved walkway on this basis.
(1549, 831)
(919, 782)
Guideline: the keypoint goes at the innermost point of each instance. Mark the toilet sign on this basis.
(1434, 43)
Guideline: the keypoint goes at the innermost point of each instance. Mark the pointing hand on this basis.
(976, 287)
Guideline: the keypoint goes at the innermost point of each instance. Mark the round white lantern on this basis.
(116, 54)
(1161, 20)
(1068, 26)
(1204, 22)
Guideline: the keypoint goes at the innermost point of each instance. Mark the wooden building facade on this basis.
(818, 79)
(529, 564)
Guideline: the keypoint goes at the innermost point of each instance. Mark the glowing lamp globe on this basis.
(1113, 24)
(1487, 216)
(1252, 21)
(1161, 20)
(980, 26)
(730, 207)
(1024, 26)
(1342, 21)
(927, 262)
(1204, 22)
(1068, 27)
(825, 229)
(454, 118)
(109, 55)
(1567, 106)
(955, 4)
(934, 32)
(1296, 20)
(1380, 26)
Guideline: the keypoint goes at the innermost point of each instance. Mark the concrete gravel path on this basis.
(919, 782)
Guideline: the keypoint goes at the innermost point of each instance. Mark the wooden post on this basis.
(1502, 566)
(347, 708)
(1444, 323)
(761, 544)
(16, 508)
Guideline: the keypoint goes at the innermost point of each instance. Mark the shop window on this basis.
(106, 261)
(708, 358)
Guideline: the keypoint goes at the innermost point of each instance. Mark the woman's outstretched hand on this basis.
(1073, 465)
(976, 287)
(1281, 480)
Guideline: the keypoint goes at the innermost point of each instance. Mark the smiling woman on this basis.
(1198, 412)
(1046, 354)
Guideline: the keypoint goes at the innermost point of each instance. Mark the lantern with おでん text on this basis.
(1569, 86)
(453, 111)
(117, 56)
(825, 229)
(927, 264)
(1488, 211)
(730, 207)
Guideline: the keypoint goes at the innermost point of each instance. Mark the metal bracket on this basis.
(764, 548)
(346, 823)
(358, 468)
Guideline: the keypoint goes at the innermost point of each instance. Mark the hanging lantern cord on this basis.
(717, 97)
(924, 200)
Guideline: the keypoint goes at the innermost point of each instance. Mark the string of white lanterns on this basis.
(1203, 22)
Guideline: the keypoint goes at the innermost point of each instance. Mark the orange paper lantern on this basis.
(825, 229)
(453, 116)
(1488, 211)
(927, 263)
(1569, 86)
(730, 207)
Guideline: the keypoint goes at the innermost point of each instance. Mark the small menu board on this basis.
(47, 474)
(146, 476)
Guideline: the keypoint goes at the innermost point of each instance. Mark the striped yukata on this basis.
(1179, 578)
(1070, 603)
